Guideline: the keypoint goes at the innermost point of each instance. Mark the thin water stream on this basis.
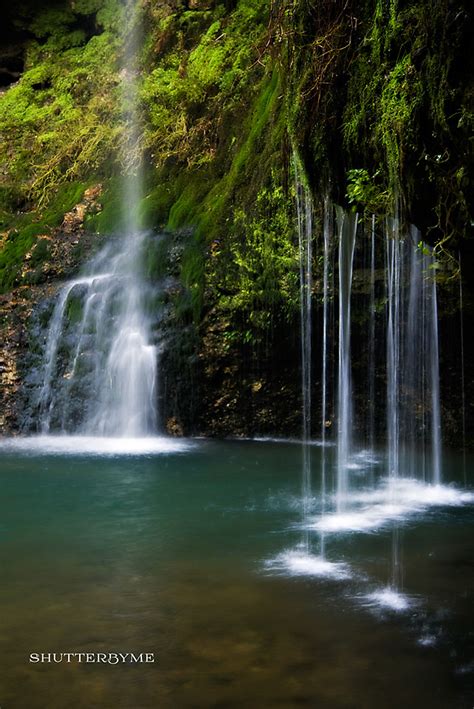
(304, 209)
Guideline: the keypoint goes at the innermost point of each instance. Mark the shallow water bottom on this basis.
(196, 555)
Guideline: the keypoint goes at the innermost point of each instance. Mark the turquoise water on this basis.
(190, 554)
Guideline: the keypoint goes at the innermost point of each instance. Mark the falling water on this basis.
(46, 396)
(105, 383)
(434, 370)
(394, 272)
(413, 406)
(413, 395)
(327, 229)
(463, 374)
(371, 348)
(305, 237)
(347, 228)
(394, 335)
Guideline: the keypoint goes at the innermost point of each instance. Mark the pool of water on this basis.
(193, 552)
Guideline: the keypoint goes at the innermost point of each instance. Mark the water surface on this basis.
(193, 553)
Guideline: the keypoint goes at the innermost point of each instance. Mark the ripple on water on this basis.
(300, 563)
(388, 598)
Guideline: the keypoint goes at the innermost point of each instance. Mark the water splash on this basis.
(94, 446)
(296, 562)
(389, 598)
(393, 501)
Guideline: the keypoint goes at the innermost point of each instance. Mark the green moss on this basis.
(67, 196)
(186, 210)
(207, 203)
(400, 115)
(13, 252)
(202, 73)
(157, 258)
(193, 267)
(108, 220)
(26, 227)
(154, 208)
(40, 252)
(264, 272)
(201, 205)
(400, 100)
(74, 309)
(58, 123)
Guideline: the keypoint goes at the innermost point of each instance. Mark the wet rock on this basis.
(173, 427)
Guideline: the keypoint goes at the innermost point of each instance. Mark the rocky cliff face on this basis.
(376, 97)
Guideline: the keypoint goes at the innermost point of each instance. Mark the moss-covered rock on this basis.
(376, 97)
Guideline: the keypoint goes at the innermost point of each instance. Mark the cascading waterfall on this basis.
(46, 398)
(347, 228)
(304, 208)
(105, 383)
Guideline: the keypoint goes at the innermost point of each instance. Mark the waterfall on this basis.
(434, 371)
(327, 229)
(101, 379)
(394, 334)
(371, 335)
(46, 394)
(304, 209)
(463, 373)
(413, 395)
(347, 228)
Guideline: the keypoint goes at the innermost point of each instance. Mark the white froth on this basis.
(394, 501)
(298, 563)
(91, 445)
(390, 599)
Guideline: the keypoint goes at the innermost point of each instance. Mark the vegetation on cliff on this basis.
(374, 96)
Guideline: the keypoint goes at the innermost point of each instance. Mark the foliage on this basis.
(25, 229)
(57, 123)
(264, 273)
(364, 192)
(407, 110)
(373, 95)
(192, 86)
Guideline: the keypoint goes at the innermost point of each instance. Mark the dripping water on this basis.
(463, 381)
(371, 359)
(305, 235)
(434, 371)
(327, 229)
(347, 228)
(394, 333)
